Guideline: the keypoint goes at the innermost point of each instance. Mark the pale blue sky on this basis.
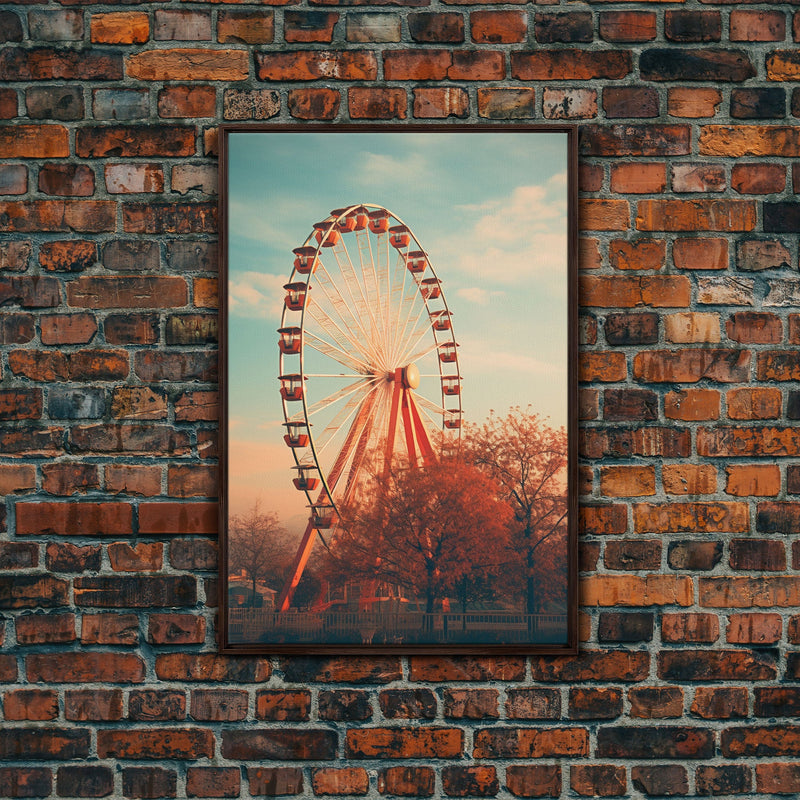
(490, 210)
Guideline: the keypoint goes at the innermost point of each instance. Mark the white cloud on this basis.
(378, 169)
(522, 239)
(475, 294)
(256, 294)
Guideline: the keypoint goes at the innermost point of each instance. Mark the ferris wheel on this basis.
(368, 364)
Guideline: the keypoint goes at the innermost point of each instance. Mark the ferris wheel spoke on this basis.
(408, 338)
(372, 287)
(428, 405)
(408, 357)
(342, 417)
(336, 353)
(345, 339)
(338, 395)
(351, 280)
(350, 319)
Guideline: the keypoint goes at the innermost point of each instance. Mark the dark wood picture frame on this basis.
(371, 448)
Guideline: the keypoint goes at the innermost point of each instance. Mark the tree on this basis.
(429, 530)
(257, 545)
(528, 458)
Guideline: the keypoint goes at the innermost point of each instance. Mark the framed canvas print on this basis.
(398, 362)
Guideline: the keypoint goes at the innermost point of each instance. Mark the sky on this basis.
(490, 210)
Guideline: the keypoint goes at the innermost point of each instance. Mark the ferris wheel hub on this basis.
(411, 376)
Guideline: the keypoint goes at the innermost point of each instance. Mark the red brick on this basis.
(245, 26)
(133, 178)
(176, 629)
(697, 517)
(680, 628)
(570, 64)
(627, 481)
(602, 366)
(30, 704)
(592, 665)
(149, 782)
(533, 703)
(744, 480)
(141, 557)
(667, 291)
(110, 629)
(627, 26)
(470, 781)
(466, 668)
(751, 327)
(275, 780)
(758, 178)
(313, 103)
(657, 702)
(283, 705)
(69, 478)
(257, 744)
(757, 26)
(187, 101)
(639, 254)
(690, 366)
(604, 703)
(628, 101)
(149, 705)
(757, 629)
(74, 519)
(635, 140)
(311, 65)
(507, 103)
(133, 480)
(377, 103)
(44, 743)
(84, 667)
(93, 704)
(340, 781)
(700, 253)
(66, 180)
(696, 215)
(745, 592)
(470, 703)
(439, 103)
(219, 705)
(506, 742)
(598, 780)
(66, 557)
(638, 178)
(692, 327)
(169, 218)
(210, 667)
(86, 216)
(406, 781)
(124, 27)
(724, 779)
(164, 743)
(756, 403)
(602, 519)
(33, 141)
(193, 64)
(127, 292)
(196, 406)
(498, 27)
(68, 329)
(436, 27)
(213, 782)
(534, 780)
(20, 781)
(749, 140)
(693, 103)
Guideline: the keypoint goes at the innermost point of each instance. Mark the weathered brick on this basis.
(365, 102)
(758, 103)
(680, 628)
(496, 27)
(591, 703)
(573, 27)
(470, 781)
(570, 64)
(758, 178)
(275, 780)
(240, 104)
(507, 103)
(285, 744)
(120, 27)
(693, 103)
(635, 140)
(693, 26)
(629, 626)
(757, 26)
(213, 782)
(176, 629)
(466, 668)
(507, 742)
(245, 26)
(534, 780)
(83, 667)
(691, 555)
(181, 25)
(690, 366)
(51, 63)
(470, 703)
(44, 743)
(313, 103)
(436, 27)
(309, 65)
(372, 27)
(598, 780)
(149, 782)
(192, 64)
(54, 102)
(93, 704)
(724, 779)
(665, 741)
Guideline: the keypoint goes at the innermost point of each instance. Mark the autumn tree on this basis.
(429, 530)
(257, 545)
(528, 459)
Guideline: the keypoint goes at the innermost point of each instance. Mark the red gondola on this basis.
(441, 320)
(378, 221)
(291, 387)
(295, 296)
(323, 516)
(452, 419)
(304, 262)
(289, 343)
(305, 480)
(321, 229)
(451, 384)
(399, 236)
(447, 352)
(430, 288)
(417, 261)
(295, 434)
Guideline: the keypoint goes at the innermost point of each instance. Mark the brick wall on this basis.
(690, 446)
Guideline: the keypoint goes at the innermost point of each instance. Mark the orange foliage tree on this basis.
(528, 459)
(435, 531)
